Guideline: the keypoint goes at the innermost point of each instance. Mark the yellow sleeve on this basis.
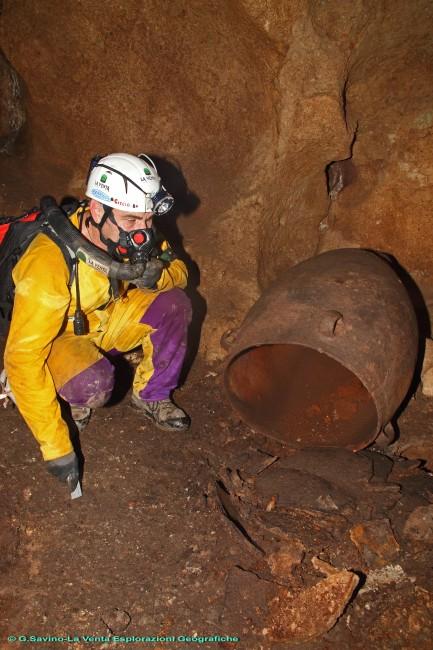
(174, 275)
(41, 302)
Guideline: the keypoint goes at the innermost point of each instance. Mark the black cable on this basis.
(79, 317)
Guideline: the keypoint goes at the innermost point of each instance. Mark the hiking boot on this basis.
(164, 413)
(81, 416)
(6, 393)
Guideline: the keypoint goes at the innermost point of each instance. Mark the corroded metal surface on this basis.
(327, 354)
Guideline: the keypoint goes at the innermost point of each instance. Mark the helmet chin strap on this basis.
(110, 244)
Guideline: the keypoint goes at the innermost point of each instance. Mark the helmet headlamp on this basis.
(162, 201)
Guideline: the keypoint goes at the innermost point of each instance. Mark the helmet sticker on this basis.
(103, 186)
(103, 178)
(124, 204)
(100, 195)
(147, 171)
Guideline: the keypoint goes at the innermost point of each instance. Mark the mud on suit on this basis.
(43, 357)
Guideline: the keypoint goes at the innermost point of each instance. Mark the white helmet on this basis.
(129, 183)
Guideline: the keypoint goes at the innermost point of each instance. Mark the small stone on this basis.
(375, 541)
(419, 525)
(271, 504)
(283, 561)
(27, 494)
(116, 620)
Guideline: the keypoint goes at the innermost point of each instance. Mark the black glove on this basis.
(151, 274)
(65, 469)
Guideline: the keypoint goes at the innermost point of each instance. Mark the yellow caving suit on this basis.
(42, 353)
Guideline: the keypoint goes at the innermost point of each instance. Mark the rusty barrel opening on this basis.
(301, 396)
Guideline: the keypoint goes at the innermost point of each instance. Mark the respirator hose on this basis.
(84, 250)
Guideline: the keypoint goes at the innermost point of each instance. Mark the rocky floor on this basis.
(220, 533)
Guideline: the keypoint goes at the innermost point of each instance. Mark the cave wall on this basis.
(390, 100)
(12, 110)
(253, 102)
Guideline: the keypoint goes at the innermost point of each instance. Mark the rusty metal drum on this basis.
(327, 354)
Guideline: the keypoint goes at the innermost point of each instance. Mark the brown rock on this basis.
(419, 525)
(375, 542)
(420, 446)
(296, 618)
(283, 561)
(324, 567)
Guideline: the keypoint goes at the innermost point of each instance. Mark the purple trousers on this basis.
(159, 327)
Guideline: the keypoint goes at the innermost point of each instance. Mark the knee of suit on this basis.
(173, 304)
(91, 387)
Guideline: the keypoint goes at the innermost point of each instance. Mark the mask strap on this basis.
(108, 214)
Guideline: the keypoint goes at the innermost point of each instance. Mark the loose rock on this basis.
(283, 561)
(296, 618)
(419, 525)
(116, 620)
(375, 542)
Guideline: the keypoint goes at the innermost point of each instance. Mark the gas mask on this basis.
(132, 245)
(135, 245)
